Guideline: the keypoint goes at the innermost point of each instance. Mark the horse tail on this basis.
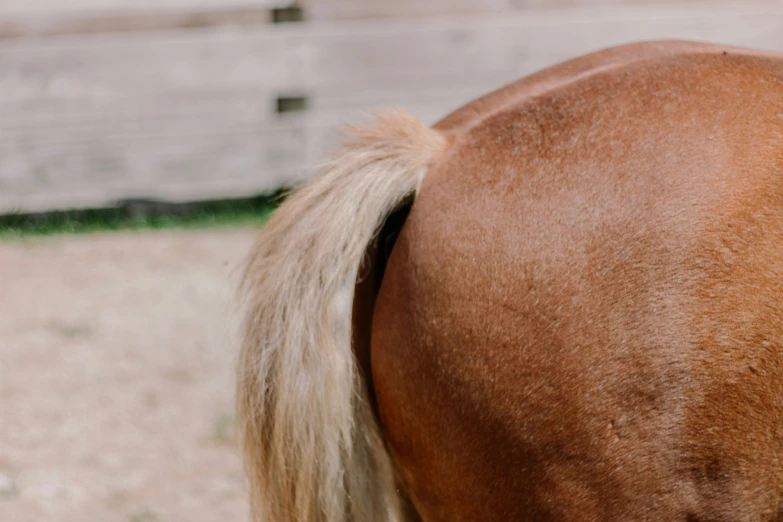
(313, 450)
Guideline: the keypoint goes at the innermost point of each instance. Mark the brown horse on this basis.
(564, 301)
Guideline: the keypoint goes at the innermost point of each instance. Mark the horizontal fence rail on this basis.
(233, 106)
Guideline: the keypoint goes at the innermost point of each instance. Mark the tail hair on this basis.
(313, 450)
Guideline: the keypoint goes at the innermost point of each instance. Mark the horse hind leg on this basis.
(368, 283)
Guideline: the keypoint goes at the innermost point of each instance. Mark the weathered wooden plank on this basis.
(40, 25)
(320, 10)
(90, 119)
(100, 69)
(16, 7)
(354, 56)
(43, 198)
(146, 158)
(315, 10)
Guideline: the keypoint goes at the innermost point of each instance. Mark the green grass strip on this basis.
(141, 215)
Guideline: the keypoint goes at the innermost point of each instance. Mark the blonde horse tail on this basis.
(313, 450)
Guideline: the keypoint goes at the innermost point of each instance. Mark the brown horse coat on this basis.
(582, 315)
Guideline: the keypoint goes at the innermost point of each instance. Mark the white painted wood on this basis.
(88, 119)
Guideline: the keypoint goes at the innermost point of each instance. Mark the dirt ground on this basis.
(116, 378)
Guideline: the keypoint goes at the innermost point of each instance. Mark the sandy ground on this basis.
(116, 378)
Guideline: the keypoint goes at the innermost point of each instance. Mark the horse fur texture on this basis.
(577, 313)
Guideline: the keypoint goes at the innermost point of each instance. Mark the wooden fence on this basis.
(202, 99)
